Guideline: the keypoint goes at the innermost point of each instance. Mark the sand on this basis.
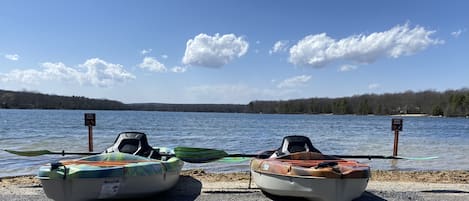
(200, 185)
(442, 177)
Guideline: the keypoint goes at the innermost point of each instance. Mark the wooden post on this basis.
(90, 138)
(396, 126)
(396, 143)
(90, 121)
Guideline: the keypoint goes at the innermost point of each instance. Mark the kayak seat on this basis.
(135, 143)
(294, 144)
(296, 147)
(128, 146)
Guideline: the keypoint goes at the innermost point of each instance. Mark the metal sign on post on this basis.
(396, 126)
(90, 121)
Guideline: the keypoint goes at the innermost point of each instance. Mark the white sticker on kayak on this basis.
(109, 189)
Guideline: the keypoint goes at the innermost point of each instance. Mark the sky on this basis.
(232, 52)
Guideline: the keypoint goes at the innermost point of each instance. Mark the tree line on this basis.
(35, 100)
(448, 103)
(226, 108)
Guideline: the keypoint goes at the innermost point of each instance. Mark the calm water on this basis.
(58, 130)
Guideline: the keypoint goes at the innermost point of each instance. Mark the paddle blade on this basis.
(29, 153)
(198, 155)
(417, 158)
(234, 159)
(385, 157)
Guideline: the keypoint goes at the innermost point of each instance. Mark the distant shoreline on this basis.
(451, 103)
(324, 114)
(413, 115)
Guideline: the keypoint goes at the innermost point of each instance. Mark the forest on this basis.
(36, 100)
(450, 103)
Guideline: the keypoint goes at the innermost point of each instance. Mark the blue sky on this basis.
(232, 51)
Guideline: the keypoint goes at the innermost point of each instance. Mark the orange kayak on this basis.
(311, 175)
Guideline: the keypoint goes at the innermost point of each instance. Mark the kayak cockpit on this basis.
(136, 143)
(293, 144)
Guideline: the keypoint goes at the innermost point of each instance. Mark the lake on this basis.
(58, 130)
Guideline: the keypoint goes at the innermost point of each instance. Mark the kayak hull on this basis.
(89, 182)
(106, 188)
(312, 188)
(311, 175)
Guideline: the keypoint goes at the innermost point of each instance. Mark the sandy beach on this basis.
(200, 185)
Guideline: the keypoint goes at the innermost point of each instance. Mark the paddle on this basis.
(187, 154)
(369, 157)
(46, 152)
(204, 155)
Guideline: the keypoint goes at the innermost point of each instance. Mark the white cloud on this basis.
(152, 64)
(457, 33)
(294, 81)
(103, 74)
(145, 51)
(347, 67)
(13, 57)
(50, 71)
(164, 56)
(319, 50)
(178, 69)
(94, 72)
(59, 71)
(374, 86)
(279, 46)
(214, 51)
(29, 76)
